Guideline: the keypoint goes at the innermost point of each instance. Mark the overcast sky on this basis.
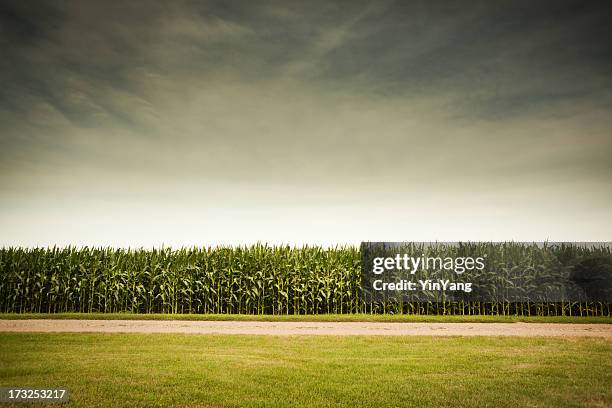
(200, 123)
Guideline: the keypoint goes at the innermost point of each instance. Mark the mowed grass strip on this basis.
(355, 317)
(134, 370)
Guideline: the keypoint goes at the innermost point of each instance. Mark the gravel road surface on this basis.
(309, 328)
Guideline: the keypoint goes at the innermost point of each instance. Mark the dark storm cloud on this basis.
(113, 99)
(493, 58)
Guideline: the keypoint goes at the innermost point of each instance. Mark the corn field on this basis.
(252, 280)
(259, 279)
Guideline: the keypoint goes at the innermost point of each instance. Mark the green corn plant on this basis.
(262, 279)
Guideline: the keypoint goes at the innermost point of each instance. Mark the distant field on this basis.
(133, 370)
(313, 318)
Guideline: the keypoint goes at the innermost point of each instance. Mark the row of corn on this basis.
(258, 279)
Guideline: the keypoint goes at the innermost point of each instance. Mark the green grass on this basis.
(135, 370)
(312, 318)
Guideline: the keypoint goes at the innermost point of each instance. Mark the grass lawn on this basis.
(104, 370)
(313, 318)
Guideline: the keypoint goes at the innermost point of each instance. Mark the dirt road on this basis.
(310, 328)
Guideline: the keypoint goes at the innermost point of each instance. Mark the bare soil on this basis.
(309, 328)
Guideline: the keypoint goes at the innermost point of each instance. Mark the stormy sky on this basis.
(145, 123)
